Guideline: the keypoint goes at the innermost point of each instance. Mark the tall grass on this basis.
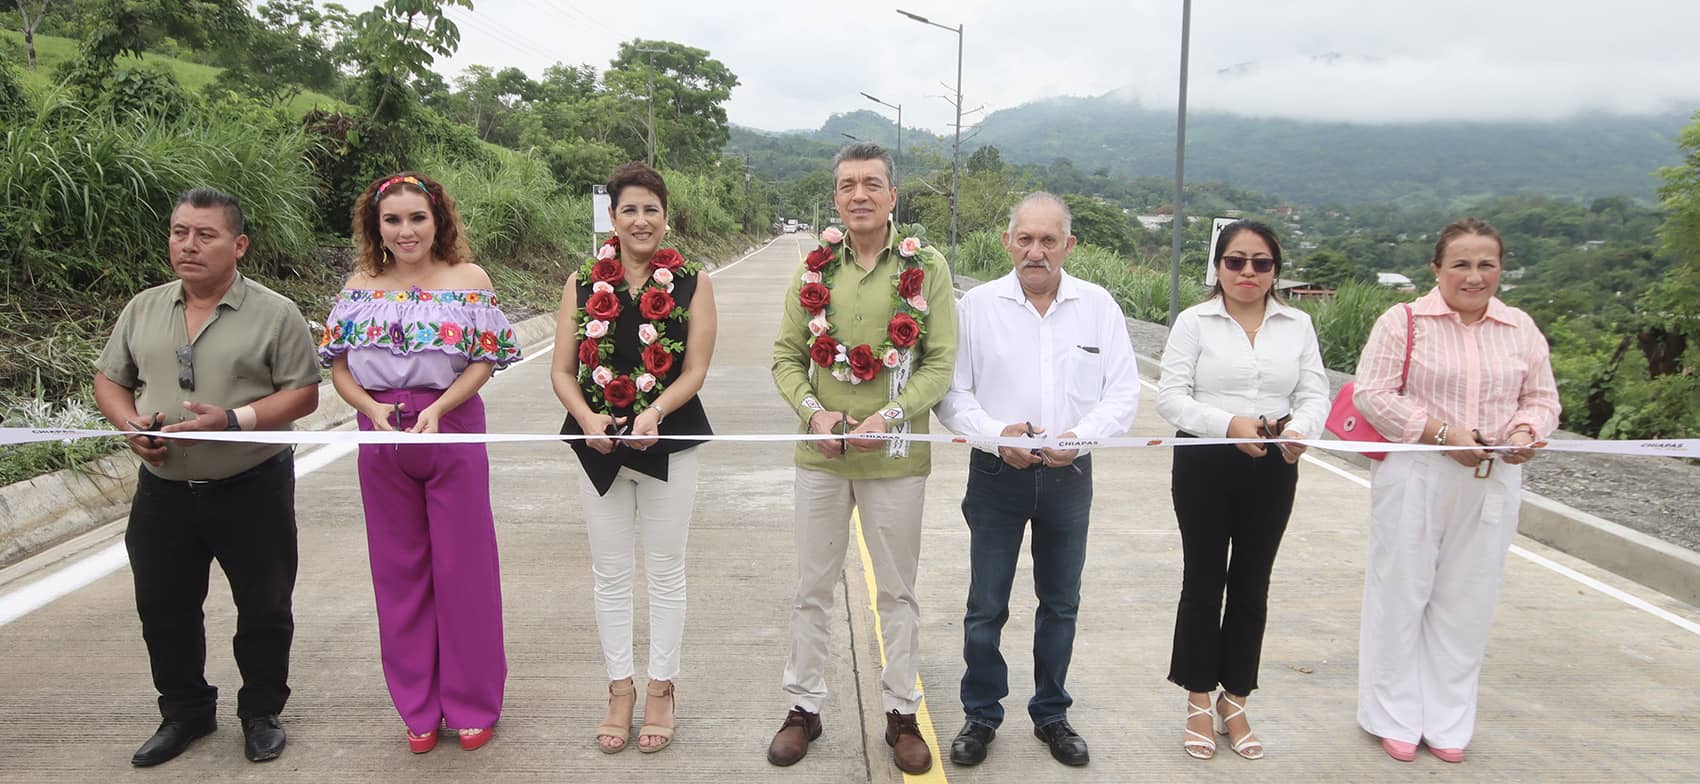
(84, 195)
(696, 206)
(508, 202)
(1343, 321)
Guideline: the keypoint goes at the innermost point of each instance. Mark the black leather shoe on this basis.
(969, 748)
(171, 739)
(263, 738)
(1066, 745)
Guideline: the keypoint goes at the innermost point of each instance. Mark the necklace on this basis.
(905, 329)
(610, 389)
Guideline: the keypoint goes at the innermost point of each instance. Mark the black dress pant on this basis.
(1226, 502)
(247, 523)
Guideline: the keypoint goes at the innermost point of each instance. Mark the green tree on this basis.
(398, 40)
(690, 93)
(1331, 270)
(286, 50)
(129, 27)
(1101, 224)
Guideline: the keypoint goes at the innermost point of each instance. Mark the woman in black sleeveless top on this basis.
(632, 346)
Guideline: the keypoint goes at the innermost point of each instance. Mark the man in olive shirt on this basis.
(885, 480)
(211, 351)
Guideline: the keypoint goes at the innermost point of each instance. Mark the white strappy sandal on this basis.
(1247, 746)
(1205, 747)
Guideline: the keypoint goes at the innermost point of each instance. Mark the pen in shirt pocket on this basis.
(1088, 349)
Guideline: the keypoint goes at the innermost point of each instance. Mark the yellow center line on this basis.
(923, 717)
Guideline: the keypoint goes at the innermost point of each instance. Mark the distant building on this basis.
(1154, 222)
(1395, 281)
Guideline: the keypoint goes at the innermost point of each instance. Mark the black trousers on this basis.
(1226, 502)
(247, 523)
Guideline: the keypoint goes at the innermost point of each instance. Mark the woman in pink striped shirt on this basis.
(1442, 522)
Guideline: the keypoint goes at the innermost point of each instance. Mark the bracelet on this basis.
(660, 413)
(1440, 435)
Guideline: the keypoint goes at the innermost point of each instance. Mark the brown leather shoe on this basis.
(908, 749)
(792, 740)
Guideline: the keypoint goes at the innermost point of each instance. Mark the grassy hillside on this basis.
(51, 50)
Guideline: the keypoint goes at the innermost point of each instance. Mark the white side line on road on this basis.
(83, 571)
(1539, 560)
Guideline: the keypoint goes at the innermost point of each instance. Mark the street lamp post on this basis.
(1180, 169)
(899, 162)
(956, 147)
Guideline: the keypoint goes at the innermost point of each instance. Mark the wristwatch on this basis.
(230, 422)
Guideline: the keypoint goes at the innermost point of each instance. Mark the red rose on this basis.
(620, 391)
(823, 351)
(603, 305)
(667, 258)
(488, 342)
(588, 352)
(818, 258)
(904, 331)
(655, 304)
(863, 364)
(657, 360)
(607, 271)
(814, 297)
(909, 283)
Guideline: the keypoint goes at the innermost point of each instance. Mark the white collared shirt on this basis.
(1069, 370)
(1212, 372)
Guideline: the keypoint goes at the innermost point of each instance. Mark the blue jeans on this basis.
(1000, 501)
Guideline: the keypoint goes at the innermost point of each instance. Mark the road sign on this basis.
(599, 204)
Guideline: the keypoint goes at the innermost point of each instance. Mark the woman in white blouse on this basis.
(1241, 365)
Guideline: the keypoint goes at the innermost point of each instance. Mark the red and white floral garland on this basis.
(607, 388)
(908, 314)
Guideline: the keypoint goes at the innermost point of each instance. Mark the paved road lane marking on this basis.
(923, 717)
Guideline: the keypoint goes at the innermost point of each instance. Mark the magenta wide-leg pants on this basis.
(432, 540)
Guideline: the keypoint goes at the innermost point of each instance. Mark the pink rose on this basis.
(602, 375)
(600, 286)
(606, 252)
(663, 276)
(811, 277)
(818, 325)
(596, 328)
(842, 373)
(647, 335)
(832, 236)
(450, 333)
(645, 382)
(891, 358)
(918, 302)
(908, 246)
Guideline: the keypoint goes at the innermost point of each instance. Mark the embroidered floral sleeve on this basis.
(464, 322)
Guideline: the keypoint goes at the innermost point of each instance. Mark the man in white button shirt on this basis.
(1039, 353)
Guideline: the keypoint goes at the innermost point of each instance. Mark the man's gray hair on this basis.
(864, 151)
(1042, 197)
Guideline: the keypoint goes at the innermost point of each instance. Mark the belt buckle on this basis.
(1484, 469)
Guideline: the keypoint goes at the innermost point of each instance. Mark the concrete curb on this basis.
(47, 510)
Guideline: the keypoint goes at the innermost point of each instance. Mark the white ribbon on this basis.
(1678, 447)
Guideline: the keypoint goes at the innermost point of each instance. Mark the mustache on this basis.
(1046, 263)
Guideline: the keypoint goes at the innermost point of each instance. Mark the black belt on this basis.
(209, 484)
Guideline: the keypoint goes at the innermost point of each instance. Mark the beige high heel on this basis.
(665, 733)
(616, 689)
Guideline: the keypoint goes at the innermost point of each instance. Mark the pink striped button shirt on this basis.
(1493, 375)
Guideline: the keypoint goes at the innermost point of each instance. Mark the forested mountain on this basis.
(1429, 164)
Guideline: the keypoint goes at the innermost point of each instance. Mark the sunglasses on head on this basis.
(1258, 265)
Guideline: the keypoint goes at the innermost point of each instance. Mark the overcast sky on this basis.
(1349, 60)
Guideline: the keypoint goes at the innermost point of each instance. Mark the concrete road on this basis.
(1579, 684)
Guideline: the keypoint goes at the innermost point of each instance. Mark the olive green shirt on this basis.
(860, 308)
(254, 344)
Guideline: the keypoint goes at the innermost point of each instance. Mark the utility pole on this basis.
(651, 59)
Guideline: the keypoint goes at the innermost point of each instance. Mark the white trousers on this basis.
(890, 510)
(663, 510)
(1437, 543)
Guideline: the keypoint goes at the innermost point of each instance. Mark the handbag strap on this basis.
(1410, 338)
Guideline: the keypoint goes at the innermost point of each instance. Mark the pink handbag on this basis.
(1346, 423)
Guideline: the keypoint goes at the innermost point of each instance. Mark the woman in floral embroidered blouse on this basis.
(1442, 522)
(412, 338)
(634, 337)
